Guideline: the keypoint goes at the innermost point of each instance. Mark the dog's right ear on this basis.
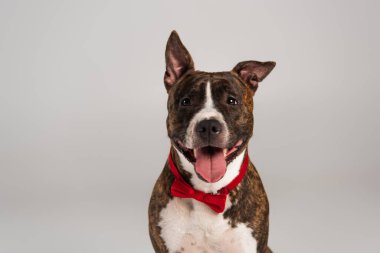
(178, 60)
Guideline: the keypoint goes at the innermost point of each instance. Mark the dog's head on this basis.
(210, 118)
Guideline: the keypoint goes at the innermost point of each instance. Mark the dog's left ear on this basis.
(253, 72)
(178, 60)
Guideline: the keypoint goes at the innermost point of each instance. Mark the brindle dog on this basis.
(209, 123)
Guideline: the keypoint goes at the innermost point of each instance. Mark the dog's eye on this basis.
(186, 102)
(232, 101)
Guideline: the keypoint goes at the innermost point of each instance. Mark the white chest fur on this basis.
(189, 226)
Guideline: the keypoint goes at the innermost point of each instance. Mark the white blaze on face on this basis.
(208, 111)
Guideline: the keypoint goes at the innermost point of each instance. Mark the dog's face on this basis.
(210, 118)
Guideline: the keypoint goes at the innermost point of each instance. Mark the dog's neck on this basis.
(232, 172)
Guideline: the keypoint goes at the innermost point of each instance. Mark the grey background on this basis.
(83, 108)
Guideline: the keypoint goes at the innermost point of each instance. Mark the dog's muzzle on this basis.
(210, 132)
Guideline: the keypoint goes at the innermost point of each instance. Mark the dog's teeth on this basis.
(225, 151)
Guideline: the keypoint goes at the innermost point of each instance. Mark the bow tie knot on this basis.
(181, 189)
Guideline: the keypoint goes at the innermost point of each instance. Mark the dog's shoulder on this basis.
(250, 206)
(158, 201)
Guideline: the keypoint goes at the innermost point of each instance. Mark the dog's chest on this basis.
(189, 226)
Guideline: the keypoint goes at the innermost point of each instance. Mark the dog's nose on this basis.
(208, 128)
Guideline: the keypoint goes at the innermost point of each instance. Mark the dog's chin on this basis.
(210, 162)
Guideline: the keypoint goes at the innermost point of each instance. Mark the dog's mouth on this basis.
(210, 162)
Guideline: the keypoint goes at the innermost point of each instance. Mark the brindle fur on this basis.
(251, 209)
(250, 206)
(249, 201)
(159, 199)
(239, 118)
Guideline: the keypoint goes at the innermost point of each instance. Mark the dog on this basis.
(209, 196)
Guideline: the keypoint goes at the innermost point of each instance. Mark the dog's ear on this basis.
(178, 60)
(253, 72)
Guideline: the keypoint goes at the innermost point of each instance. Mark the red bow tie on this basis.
(216, 202)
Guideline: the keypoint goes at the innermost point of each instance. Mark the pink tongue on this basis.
(211, 167)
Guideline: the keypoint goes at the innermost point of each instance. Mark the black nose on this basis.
(208, 128)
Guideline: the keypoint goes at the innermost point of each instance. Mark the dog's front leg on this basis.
(157, 242)
(154, 231)
(159, 199)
